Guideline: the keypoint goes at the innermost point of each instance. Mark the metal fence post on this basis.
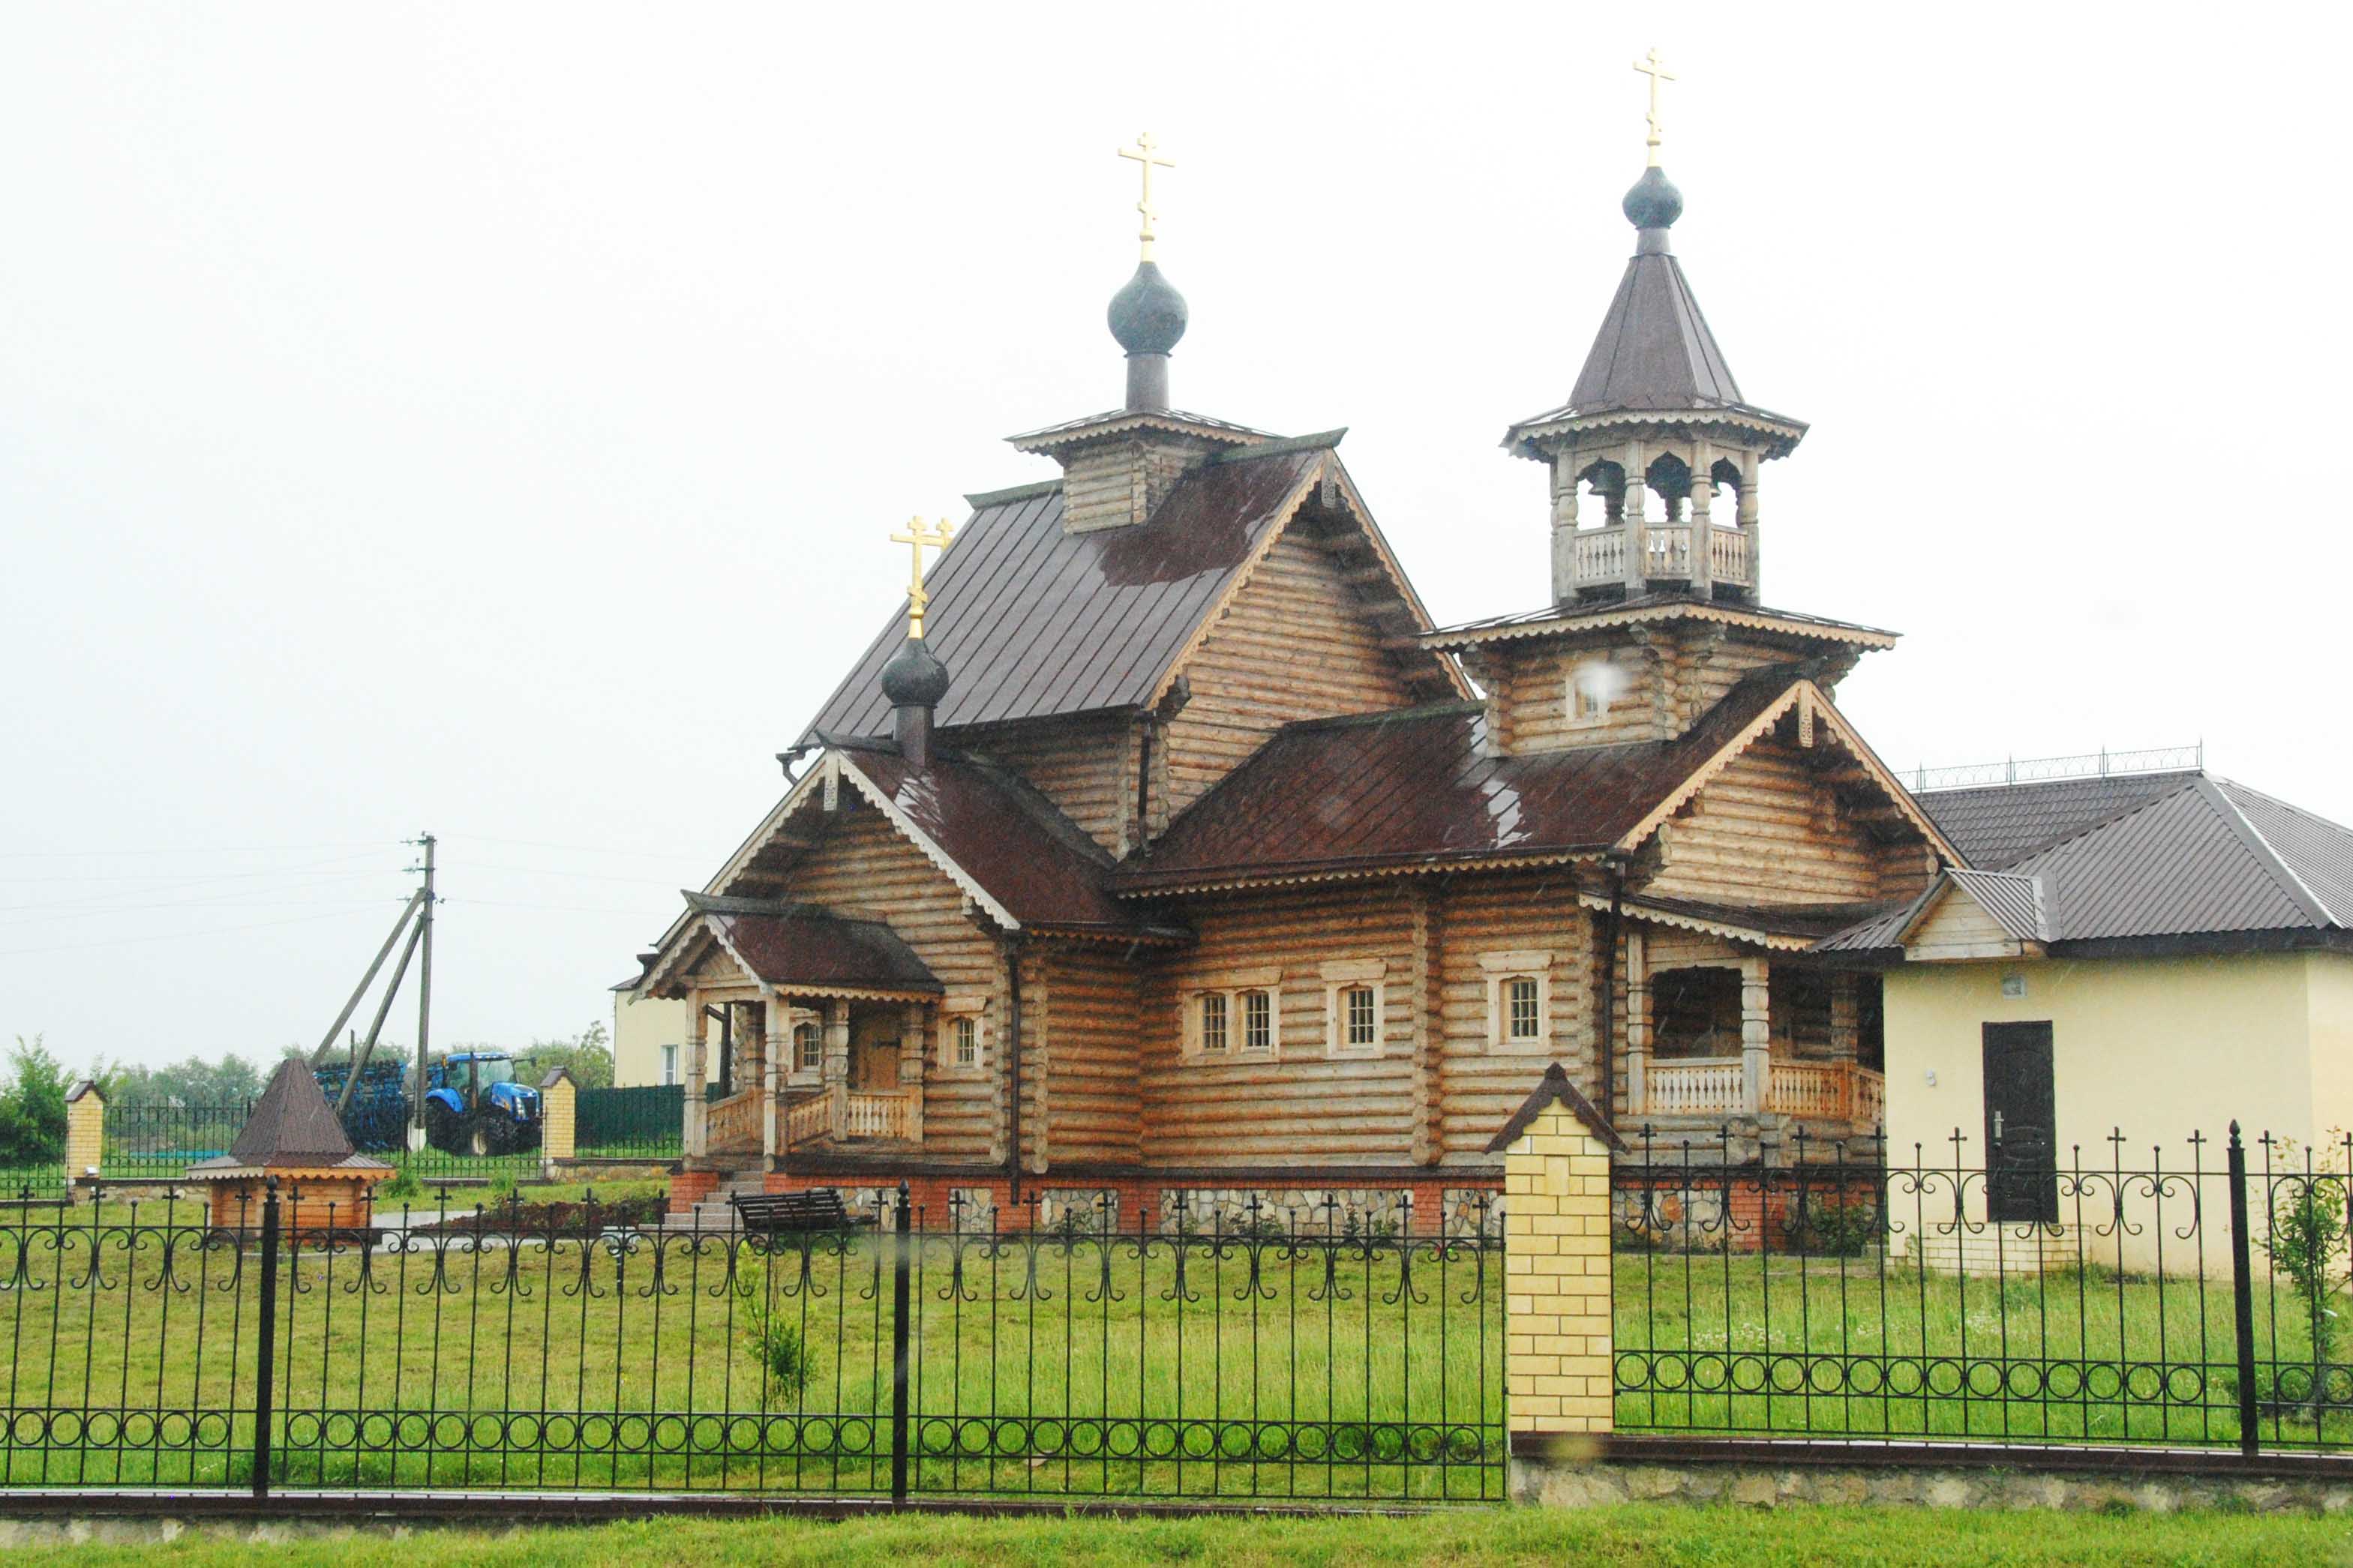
(2242, 1296)
(899, 1327)
(266, 1358)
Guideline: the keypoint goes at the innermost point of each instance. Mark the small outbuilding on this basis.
(293, 1138)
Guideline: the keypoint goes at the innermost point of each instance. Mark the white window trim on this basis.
(1521, 964)
(1233, 985)
(950, 1009)
(1600, 714)
(1340, 976)
(796, 1075)
(671, 1056)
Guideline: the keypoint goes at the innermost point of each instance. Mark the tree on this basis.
(588, 1058)
(2308, 1242)
(230, 1080)
(33, 1107)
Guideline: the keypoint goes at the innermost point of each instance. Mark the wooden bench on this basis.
(777, 1213)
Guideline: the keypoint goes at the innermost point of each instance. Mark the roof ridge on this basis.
(1322, 440)
(1383, 715)
(2300, 889)
(2132, 809)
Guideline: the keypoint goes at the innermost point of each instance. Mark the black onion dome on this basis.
(914, 678)
(1148, 316)
(1653, 202)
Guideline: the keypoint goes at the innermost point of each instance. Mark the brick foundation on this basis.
(688, 1188)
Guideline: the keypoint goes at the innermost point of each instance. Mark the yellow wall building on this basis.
(649, 1039)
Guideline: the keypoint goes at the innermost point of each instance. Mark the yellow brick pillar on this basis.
(1559, 1371)
(85, 1132)
(559, 1105)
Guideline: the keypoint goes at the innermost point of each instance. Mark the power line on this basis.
(374, 904)
(204, 850)
(583, 849)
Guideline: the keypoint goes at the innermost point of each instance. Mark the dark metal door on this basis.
(2021, 1136)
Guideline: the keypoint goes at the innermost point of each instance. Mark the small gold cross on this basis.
(1657, 73)
(1144, 155)
(916, 538)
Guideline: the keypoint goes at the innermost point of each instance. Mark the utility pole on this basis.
(424, 997)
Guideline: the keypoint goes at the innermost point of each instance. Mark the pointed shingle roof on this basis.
(291, 1124)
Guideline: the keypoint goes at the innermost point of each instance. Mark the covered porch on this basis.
(1715, 1035)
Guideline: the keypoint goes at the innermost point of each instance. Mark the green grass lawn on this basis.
(1720, 1536)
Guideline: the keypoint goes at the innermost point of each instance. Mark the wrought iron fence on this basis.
(161, 1142)
(2123, 1295)
(647, 1120)
(582, 1347)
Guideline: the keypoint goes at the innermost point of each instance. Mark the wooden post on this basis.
(1563, 526)
(837, 1065)
(776, 1040)
(697, 1067)
(1560, 1361)
(1638, 1025)
(1702, 543)
(913, 1040)
(1755, 1033)
(1630, 510)
(1748, 516)
(559, 1120)
(85, 1132)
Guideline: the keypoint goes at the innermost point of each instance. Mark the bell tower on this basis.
(1654, 456)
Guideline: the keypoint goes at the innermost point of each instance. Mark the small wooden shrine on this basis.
(294, 1139)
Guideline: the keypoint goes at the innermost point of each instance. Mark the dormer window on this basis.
(1593, 685)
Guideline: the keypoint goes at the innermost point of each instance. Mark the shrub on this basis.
(2305, 1240)
(1834, 1229)
(402, 1188)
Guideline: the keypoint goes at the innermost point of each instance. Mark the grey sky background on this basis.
(488, 419)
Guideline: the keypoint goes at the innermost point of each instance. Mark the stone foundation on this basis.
(1592, 1483)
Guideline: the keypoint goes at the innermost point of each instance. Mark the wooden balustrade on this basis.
(807, 1118)
(1716, 1086)
(1600, 555)
(733, 1123)
(876, 1116)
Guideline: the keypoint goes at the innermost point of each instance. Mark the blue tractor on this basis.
(474, 1105)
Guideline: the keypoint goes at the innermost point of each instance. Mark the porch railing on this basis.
(1714, 1085)
(876, 1116)
(733, 1122)
(1696, 1086)
(807, 1118)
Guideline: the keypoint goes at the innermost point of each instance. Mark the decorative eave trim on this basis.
(1331, 468)
(1632, 909)
(1150, 936)
(1818, 704)
(1289, 444)
(790, 988)
(1572, 622)
(1122, 421)
(1554, 1088)
(922, 841)
(1524, 438)
(1227, 881)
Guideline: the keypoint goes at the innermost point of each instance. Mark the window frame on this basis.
(1501, 969)
(1234, 988)
(1575, 694)
(796, 1020)
(1340, 976)
(671, 1055)
(954, 1012)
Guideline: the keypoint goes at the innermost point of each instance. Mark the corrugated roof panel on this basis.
(2179, 864)
(2002, 823)
(2317, 850)
(1033, 620)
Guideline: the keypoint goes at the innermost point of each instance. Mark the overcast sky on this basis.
(488, 419)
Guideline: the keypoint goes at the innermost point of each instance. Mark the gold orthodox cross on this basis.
(1657, 73)
(1144, 155)
(916, 538)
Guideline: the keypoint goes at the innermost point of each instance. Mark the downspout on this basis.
(1013, 1073)
(1607, 1099)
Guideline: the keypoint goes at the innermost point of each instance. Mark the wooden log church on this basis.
(1161, 861)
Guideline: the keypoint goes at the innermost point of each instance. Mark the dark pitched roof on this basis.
(1006, 837)
(1654, 350)
(2000, 822)
(293, 1123)
(2192, 857)
(1033, 620)
(804, 944)
(1334, 796)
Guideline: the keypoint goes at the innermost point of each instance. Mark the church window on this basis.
(1354, 1008)
(1519, 999)
(963, 1036)
(1213, 1022)
(1258, 1021)
(808, 1046)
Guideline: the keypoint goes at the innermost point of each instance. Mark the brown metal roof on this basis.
(1561, 619)
(2194, 857)
(802, 945)
(1008, 838)
(1033, 620)
(1336, 795)
(291, 1124)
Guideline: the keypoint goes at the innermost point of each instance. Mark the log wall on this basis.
(1085, 767)
(1483, 1083)
(1291, 644)
(1666, 678)
(1765, 830)
(862, 862)
(1089, 1018)
(1300, 1105)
